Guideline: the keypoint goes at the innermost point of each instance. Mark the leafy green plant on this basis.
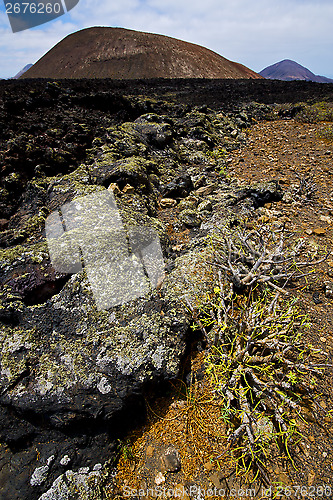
(218, 154)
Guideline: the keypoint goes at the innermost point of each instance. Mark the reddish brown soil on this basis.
(121, 53)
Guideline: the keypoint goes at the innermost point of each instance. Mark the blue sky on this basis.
(256, 33)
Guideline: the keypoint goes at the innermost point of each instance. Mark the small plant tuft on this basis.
(258, 257)
(261, 369)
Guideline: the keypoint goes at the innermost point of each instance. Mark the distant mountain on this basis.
(290, 70)
(28, 66)
(127, 54)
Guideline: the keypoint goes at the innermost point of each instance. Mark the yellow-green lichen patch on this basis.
(58, 373)
(108, 156)
(77, 183)
(15, 346)
(191, 277)
(34, 253)
(123, 142)
(33, 225)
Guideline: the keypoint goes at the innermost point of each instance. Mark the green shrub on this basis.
(314, 113)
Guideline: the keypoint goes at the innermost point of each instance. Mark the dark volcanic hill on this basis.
(290, 70)
(126, 54)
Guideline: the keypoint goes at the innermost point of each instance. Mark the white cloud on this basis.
(256, 33)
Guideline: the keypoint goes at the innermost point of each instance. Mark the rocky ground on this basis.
(74, 379)
(287, 151)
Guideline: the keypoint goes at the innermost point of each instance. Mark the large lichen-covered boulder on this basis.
(68, 366)
(75, 375)
(65, 350)
(153, 129)
(133, 170)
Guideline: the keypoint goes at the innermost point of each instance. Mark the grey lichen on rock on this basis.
(151, 129)
(77, 485)
(65, 188)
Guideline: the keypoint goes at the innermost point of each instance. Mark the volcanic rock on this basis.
(179, 187)
(73, 376)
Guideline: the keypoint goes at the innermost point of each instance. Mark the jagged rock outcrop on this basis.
(72, 375)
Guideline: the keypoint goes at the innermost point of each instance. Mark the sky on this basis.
(256, 33)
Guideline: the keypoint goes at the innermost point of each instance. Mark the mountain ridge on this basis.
(289, 70)
(119, 53)
(23, 70)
